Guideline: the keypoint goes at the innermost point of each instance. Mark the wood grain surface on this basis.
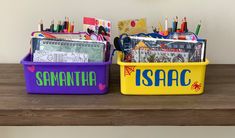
(215, 107)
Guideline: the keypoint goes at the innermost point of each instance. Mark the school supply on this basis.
(46, 56)
(168, 30)
(134, 26)
(198, 28)
(175, 24)
(40, 26)
(72, 27)
(96, 50)
(59, 27)
(65, 27)
(153, 55)
(69, 36)
(166, 27)
(98, 26)
(63, 62)
(170, 61)
(52, 26)
(147, 49)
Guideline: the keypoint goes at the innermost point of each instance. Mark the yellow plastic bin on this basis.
(162, 78)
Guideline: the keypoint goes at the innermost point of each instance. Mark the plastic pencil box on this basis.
(159, 78)
(66, 78)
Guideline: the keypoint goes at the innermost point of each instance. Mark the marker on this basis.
(198, 28)
(40, 26)
(52, 26)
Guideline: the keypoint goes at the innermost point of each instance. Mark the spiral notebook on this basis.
(95, 50)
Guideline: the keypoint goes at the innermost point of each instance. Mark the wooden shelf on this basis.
(215, 107)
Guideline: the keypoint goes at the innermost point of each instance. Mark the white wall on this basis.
(20, 17)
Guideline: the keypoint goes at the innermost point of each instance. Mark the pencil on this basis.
(72, 27)
(182, 26)
(166, 24)
(185, 24)
(160, 27)
(59, 27)
(173, 25)
(176, 23)
(69, 27)
(198, 28)
(52, 26)
(40, 25)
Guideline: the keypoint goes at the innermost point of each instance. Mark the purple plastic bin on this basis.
(66, 78)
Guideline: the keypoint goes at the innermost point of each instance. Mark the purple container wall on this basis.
(40, 77)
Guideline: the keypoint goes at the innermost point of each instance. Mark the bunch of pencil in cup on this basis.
(183, 27)
(62, 26)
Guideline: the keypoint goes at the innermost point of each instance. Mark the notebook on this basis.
(145, 49)
(95, 50)
(46, 56)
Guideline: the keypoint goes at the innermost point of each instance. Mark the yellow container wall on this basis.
(162, 78)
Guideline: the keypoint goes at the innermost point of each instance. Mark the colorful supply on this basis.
(63, 62)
